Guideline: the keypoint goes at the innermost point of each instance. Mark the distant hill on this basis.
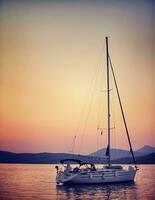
(119, 153)
(43, 158)
(145, 155)
(146, 150)
(147, 159)
(115, 153)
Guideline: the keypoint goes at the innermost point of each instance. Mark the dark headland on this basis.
(145, 155)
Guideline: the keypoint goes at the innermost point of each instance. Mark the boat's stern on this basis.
(60, 177)
(132, 172)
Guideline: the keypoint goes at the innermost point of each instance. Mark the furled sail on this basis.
(107, 151)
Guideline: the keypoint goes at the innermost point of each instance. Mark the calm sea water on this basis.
(18, 181)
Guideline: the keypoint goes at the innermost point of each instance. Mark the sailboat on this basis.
(88, 173)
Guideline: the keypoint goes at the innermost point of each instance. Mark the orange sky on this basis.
(51, 50)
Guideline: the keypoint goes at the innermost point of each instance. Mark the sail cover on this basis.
(107, 151)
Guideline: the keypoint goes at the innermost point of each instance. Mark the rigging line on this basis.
(92, 80)
(113, 116)
(123, 116)
(100, 94)
(98, 113)
(87, 116)
(114, 131)
(97, 142)
(102, 107)
(73, 144)
(84, 106)
(100, 87)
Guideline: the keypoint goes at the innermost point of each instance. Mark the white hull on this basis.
(97, 177)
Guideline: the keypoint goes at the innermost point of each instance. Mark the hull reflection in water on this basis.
(106, 192)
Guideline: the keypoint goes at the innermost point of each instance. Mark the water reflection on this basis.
(106, 192)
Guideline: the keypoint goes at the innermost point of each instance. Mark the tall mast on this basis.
(108, 101)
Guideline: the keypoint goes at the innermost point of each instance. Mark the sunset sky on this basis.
(50, 54)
